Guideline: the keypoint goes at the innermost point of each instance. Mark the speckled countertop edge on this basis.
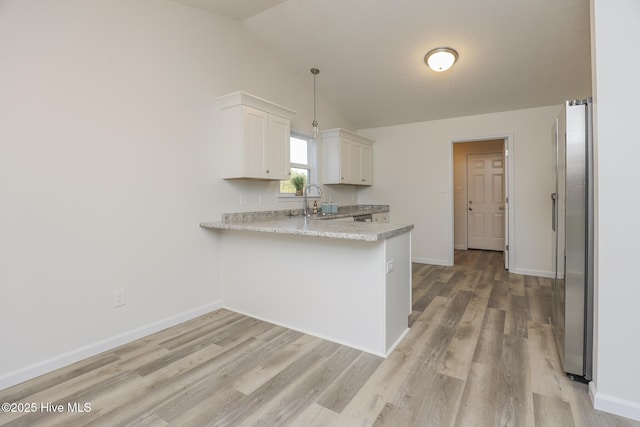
(370, 232)
(276, 222)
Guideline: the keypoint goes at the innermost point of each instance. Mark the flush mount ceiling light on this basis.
(441, 58)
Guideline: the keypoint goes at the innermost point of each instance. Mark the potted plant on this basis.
(298, 182)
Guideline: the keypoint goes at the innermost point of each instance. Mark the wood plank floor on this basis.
(480, 352)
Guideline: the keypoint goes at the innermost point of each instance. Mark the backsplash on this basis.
(266, 215)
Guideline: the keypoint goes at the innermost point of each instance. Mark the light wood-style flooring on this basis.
(480, 352)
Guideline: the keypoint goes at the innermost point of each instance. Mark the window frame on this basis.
(312, 166)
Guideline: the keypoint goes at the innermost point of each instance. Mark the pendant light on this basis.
(314, 124)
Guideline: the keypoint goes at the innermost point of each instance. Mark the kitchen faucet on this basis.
(305, 208)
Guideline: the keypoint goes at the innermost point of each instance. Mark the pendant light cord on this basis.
(315, 72)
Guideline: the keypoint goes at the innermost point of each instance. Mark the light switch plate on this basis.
(119, 298)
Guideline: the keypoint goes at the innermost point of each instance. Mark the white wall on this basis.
(616, 89)
(413, 169)
(108, 164)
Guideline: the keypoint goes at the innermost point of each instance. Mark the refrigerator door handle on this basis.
(554, 197)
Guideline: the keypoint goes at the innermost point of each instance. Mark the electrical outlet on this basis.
(390, 266)
(119, 298)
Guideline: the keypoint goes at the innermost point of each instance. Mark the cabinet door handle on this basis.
(363, 180)
(267, 170)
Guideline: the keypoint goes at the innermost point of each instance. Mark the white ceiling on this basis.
(514, 54)
(236, 9)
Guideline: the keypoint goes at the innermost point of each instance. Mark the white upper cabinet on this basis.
(279, 145)
(366, 164)
(347, 158)
(255, 137)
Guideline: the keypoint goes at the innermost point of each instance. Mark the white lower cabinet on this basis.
(255, 138)
(326, 304)
(347, 158)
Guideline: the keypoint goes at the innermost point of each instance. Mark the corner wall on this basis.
(614, 30)
(108, 155)
(413, 167)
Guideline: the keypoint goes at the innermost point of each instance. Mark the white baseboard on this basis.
(431, 261)
(314, 334)
(460, 247)
(530, 272)
(39, 368)
(523, 271)
(614, 405)
(395, 344)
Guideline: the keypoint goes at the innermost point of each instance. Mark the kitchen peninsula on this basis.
(348, 282)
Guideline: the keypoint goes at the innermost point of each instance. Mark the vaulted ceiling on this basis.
(513, 54)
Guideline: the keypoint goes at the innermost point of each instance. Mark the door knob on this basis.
(470, 209)
(501, 208)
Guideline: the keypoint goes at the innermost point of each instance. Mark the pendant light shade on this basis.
(314, 124)
(441, 59)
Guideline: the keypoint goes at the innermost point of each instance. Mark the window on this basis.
(302, 160)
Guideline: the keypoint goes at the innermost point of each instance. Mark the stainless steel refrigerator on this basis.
(572, 224)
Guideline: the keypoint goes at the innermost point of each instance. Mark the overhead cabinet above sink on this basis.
(347, 158)
(255, 137)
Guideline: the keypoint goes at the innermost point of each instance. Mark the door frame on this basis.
(509, 174)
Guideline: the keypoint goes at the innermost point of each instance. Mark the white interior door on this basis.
(486, 201)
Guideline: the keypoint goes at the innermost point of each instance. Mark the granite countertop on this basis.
(275, 222)
(302, 226)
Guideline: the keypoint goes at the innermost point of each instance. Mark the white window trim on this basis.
(312, 158)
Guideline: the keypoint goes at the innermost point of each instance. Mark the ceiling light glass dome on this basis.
(441, 59)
